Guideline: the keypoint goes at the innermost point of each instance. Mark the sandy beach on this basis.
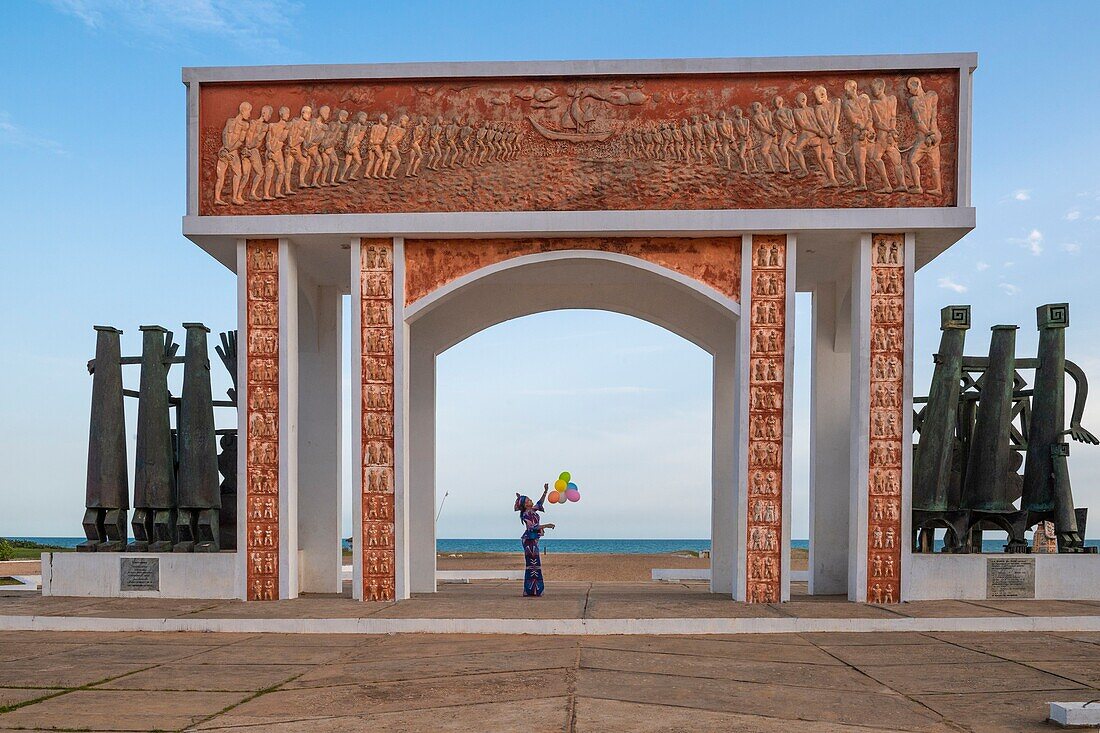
(589, 567)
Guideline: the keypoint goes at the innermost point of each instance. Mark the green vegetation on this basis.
(26, 550)
(4, 580)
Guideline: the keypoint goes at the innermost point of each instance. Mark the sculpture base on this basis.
(138, 546)
(926, 521)
(186, 546)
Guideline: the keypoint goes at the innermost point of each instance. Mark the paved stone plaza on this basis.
(796, 682)
(819, 683)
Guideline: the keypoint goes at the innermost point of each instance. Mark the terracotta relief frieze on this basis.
(262, 423)
(712, 261)
(886, 427)
(766, 364)
(377, 350)
(734, 141)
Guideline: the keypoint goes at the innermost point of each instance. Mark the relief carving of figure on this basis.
(924, 106)
(857, 111)
(391, 156)
(375, 142)
(297, 131)
(229, 156)
(884, 114)
(788, 135)
(353, 143)
(251, 159)
(761, 120)
(275, 168)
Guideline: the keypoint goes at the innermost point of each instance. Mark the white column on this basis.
(907, 419)
(860, 423)
(356, 376)
(422, 493)
(288, 419)
(788, 415)
(402, 585)
(741, 432)
(830, 438)
(724, 548)
(242, 418)
(319, 438)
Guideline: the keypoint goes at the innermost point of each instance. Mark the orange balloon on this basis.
(553, 497)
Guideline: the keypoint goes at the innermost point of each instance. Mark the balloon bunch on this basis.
(564, 490)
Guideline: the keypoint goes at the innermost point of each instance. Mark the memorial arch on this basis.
(699, 195)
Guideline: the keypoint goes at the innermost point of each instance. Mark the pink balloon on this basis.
(573, 495)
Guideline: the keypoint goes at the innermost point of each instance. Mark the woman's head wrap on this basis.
(521, 502)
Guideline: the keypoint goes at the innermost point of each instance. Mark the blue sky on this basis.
(92, 149)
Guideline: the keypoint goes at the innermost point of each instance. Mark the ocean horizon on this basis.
(637, 546)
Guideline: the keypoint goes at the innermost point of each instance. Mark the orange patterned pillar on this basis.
(261, 444)
(377, 536)
(889, 435)
(767, 301)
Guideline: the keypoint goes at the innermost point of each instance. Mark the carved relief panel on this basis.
(886, 430)
(767, 349)
(712, 261)
(747, 141)
(377, 349)
(262, 419)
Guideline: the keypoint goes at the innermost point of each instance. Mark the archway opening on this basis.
(623, 405)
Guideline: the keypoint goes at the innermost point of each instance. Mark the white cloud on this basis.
(1071, 247)
(1010, 263)
(252, 24)
(16, 136)
(948, 284)
(1021, 194)
(1073, 215)
(1033, 242)
(1009, 288)
(981, 266)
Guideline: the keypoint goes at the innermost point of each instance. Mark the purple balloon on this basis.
(572, 495)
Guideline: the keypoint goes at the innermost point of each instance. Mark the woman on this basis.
(529, 515)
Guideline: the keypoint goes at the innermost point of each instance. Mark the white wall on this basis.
(182, 575)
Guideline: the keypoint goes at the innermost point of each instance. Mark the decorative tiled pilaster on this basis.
(262, 441)
(766, 365)
(887, 423)
(377, 540)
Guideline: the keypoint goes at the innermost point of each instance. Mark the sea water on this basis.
(591, 546)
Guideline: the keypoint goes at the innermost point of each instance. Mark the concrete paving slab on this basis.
(1085, 672)
(885, 710)
(544, 715)
(119, 710)
(844, 638)
(250, 652)
(15, 695)
(207, 677)
(916, 654)
(136, 653)
(51, 672)
(1004, 712)
(702, 647)
(405, 646)
(425, 667)
(615, 716)
(946, 678)
(374, 698)
(827, 677)
(11, 649)
(812, 609)
(947, 609)
(1025, 647)
(1039, 608)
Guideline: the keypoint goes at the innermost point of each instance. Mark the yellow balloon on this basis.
(560, 485)
(552, 497)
